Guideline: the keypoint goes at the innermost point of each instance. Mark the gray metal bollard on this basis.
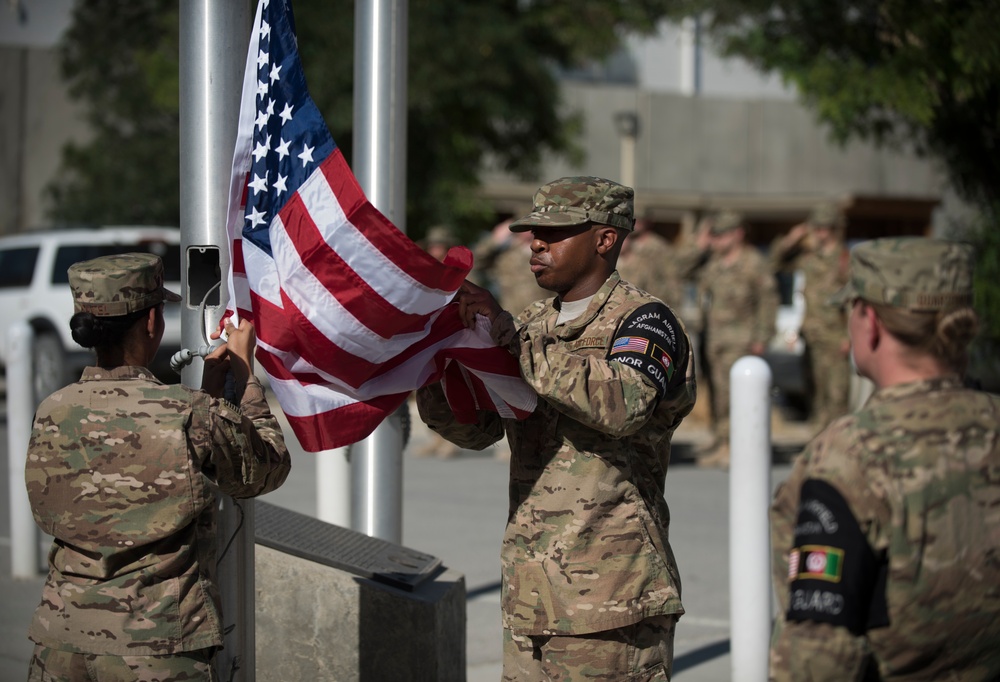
(20, 411)
(749, 500)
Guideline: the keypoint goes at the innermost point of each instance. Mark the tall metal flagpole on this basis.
(380, 51)
(214, 37)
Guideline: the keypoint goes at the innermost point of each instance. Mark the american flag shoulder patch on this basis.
(630, 344)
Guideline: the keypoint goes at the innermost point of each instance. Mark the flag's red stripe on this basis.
(385, 237)
(354, 293)
(459, 394)
(344, 425)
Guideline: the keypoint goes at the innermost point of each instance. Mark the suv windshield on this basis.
(74, 253)
(17, 266)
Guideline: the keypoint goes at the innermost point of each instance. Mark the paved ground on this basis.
(455, 509)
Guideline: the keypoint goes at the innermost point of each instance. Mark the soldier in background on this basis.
(123, 471)
(590, 585)
(739, 303)
(648, 262)
(501, 259)
(816, 248)
(439, 239)
(887, 532)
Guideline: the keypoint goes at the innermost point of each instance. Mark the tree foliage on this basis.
(480, 87)
(921, 74)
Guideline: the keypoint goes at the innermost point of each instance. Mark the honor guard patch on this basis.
(834, 575)
(648, 341)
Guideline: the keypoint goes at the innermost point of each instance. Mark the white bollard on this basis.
(749, 536)
(20, 411)
(333, 486)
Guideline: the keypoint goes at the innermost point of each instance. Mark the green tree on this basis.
(920, 74)
(923, 75)
(481, 87)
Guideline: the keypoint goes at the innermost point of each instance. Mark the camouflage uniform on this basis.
(124, 471)
(824, 327)
(740, 304)
(892, 516)
(649, 264)
(586, 550)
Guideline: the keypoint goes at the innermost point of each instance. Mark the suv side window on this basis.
(74, 253)
(17, 266)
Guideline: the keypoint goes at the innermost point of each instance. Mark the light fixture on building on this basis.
(627, 124)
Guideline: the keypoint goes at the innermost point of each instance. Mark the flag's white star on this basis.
(256, 217)
(259, 184)
(262, 58)
(270, 107)
(261, 119)
(261, 88)
(279, 184)
(286, 113)
(265, 28)
(275, 73)
(283, 149)
(306, 155)
(260, 151)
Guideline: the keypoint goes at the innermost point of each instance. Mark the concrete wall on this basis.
(321, 624)
(722, 145)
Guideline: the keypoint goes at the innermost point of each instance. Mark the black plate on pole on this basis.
(348, 550)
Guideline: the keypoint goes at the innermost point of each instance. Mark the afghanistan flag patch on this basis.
(816, 562)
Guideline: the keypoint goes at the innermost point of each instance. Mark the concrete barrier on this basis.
(335, 605)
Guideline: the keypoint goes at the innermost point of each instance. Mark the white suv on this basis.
(34, 286)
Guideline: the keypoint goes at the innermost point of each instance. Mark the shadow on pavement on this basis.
(701, 655)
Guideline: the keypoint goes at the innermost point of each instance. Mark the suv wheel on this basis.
(48, 360)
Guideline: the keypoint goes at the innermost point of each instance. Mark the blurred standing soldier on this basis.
(590, 585)
(816, 248)
(648, 262)
(887, 532)
(438, 240)
(124, 472)
(739, 303)
(503, 257)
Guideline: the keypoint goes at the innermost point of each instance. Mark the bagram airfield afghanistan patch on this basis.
(648, 340)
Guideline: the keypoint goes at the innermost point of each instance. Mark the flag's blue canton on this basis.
(290, 137)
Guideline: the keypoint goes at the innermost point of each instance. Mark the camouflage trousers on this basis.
(52, 665)
(720, 358)
(642, 652)
(831, 376)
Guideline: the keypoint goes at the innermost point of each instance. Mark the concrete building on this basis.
(692, 132)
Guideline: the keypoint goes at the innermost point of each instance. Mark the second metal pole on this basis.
(380, 49)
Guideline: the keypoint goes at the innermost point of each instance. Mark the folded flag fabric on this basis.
(351, 315)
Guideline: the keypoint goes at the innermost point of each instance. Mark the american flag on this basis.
(351, 315)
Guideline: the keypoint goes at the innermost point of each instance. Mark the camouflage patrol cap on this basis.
(578, 200)
(825, 214)
(915, 273)
(726, 221)
(110, 286)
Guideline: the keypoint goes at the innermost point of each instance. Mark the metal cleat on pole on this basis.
(749, 500)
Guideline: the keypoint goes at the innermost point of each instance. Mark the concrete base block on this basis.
(318, 623)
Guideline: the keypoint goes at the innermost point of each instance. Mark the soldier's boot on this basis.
(718, 458)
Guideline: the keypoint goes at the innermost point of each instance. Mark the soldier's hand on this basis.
(757, 348)
(475, 300)
(213, 374)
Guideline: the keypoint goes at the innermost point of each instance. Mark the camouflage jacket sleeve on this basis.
(608, 397)
(807, 650)
(433, 408)
(243, 449)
